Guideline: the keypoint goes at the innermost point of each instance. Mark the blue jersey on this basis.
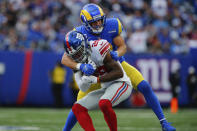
(112, 28)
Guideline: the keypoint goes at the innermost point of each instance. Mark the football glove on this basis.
(90, 79)
(87, 69)
(83, 85)
(114, 55)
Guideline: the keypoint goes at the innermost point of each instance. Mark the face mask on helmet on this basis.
(93, 17)
(76, 46)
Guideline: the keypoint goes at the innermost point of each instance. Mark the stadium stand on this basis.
(166, 25)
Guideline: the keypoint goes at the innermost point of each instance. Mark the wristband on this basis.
(117, 53)
(78, 66)
(98, 80)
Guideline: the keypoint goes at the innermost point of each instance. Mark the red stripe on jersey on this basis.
(105, 49)
(67, 42)
(103, 45)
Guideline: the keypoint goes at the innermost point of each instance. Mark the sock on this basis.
(83, 117)
(109, 114)
(151, 99)
(70, 122)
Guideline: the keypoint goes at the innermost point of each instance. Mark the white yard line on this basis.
(21, 128)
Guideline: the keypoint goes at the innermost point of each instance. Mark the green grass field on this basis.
(49, 119)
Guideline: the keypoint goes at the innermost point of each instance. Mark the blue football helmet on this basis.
(76, 46)
(91, 13)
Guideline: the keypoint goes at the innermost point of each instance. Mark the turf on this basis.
(49, 119)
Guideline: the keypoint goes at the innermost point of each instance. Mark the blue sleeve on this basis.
(116, 26)
(78, 28)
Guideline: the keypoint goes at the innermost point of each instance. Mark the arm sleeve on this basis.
(83, 86)
(116, 24)
(120, 27)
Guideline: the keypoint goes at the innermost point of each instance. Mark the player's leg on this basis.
(114, 94)
(83, 117)
(71, 119)
(109, 114)
(143, 86)
(81, 107)
(154, 103)
(70, 122)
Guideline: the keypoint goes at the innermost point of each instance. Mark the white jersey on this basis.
(99, 49)
(115, 91)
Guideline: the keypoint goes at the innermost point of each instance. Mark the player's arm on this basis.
(87, 69)
(67, 61)
(114, 71)
(120, 43)
(113, 68)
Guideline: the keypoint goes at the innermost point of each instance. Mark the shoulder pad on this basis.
(115, 25)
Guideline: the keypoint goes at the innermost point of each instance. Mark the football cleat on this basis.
(167, 127)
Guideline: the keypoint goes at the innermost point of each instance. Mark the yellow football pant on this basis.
(134, 75)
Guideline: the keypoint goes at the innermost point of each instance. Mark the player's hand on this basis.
(92, 63)
(90, 79)
(87, 69)
(114, 55)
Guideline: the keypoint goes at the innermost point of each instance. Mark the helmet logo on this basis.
(96, 17)
(79, 36)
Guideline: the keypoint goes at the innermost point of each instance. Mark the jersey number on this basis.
(95, 43)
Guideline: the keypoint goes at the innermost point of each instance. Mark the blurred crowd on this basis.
(150, 26)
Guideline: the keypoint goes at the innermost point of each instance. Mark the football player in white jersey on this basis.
(96, 26)
(115, 84)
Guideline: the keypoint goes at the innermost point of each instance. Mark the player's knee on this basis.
(77, 108)
(144, 87)
(105, 104)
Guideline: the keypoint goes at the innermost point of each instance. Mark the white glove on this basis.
(83, 85)
(89, 79)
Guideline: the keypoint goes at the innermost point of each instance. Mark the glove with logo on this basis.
(90, 79)
(87, 69)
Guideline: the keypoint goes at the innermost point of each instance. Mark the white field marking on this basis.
(5, 116)
(41, 121)
(14, 128)
(128, 128)
(140, 128)
(30, 121)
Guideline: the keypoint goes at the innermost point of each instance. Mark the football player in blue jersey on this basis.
(96, 26)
